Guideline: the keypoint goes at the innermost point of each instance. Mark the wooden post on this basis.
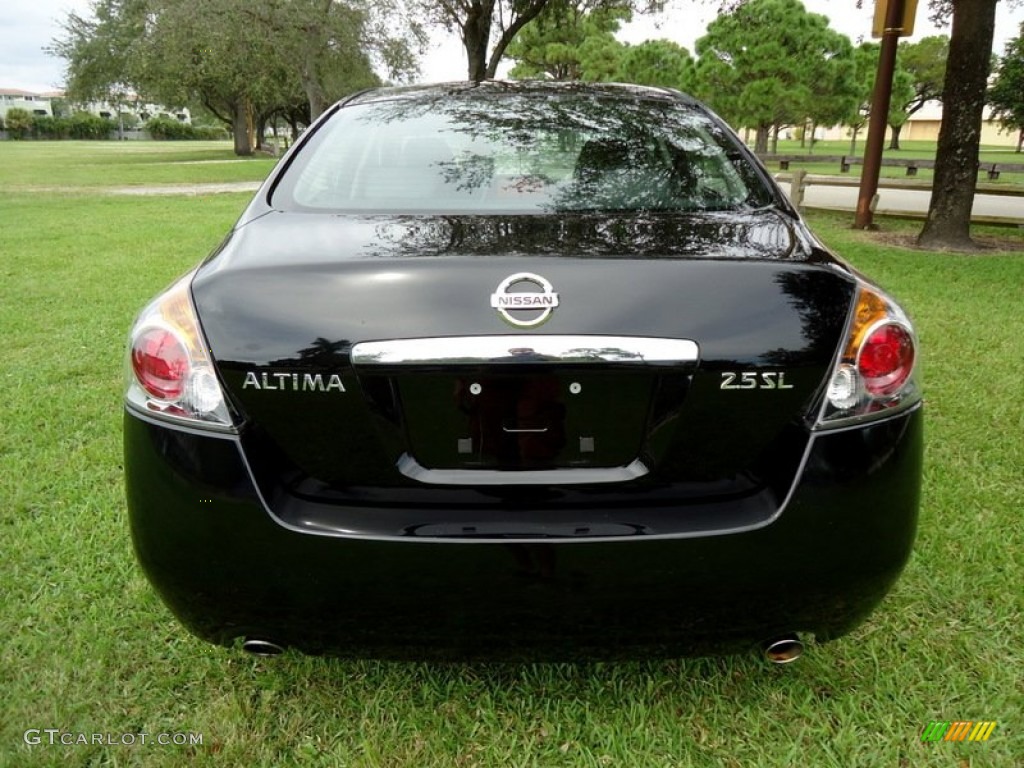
(879, 112)
(796, 188)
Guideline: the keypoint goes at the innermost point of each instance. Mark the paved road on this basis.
(907, 201)
(188, 189)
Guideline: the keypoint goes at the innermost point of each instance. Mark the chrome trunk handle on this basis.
(521, 349)
(411, 468)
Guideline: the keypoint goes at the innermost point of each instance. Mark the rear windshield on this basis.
(520, 153)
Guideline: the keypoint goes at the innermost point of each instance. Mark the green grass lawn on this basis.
(921, 150)
(87, 647)
(31, 165)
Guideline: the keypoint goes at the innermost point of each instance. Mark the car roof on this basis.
(498, 88)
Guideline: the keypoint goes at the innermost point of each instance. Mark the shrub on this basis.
(83, 125)
(19, 123)
(42, 127)
(167, 129)
(211, 132)
(46, 127)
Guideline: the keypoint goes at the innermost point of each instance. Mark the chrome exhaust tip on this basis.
(263, 648)
(783, 650)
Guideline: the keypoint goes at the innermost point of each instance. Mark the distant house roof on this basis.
(17, 92)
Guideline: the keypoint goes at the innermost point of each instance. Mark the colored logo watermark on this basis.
(959, 730)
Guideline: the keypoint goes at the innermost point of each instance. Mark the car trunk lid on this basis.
(302, 312)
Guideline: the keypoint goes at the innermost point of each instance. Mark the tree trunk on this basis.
(476, 36)
(525, 13)
(250, 117)
(854, 130)
(315, 97)
(963, 99)
(261, 131)
(240, 129)
(761, 140)
(1020, 140)
(894, 142)
(311, 84)
(775, 139)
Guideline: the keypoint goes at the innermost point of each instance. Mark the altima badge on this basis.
(524, 308)
(294, 382)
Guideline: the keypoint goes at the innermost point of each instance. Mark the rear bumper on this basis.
(228, 568)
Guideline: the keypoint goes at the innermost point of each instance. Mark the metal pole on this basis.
(878, 120)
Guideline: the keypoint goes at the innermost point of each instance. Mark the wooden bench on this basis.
(782, 160)
(995, 169)
(912, 165)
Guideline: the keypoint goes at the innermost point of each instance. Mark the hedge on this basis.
(168, 129)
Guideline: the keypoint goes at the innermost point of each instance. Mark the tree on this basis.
(567, 43)
(835, 88)
(242, 61)
(925, 61)
(557, 43)
(866, 59)
(866, 67)
(963, 96)
(600, 58)
(172, 51)
(60, 107)
(1007, 93)
(332, 47)
(214, 52)
(766, 63)
(657, 62)
(948, 224)
(902, 90)
(19, 122)
(478, 21)
(102, 51)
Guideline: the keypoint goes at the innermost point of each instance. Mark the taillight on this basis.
(170, 373)
(886, 359)
(160, 363)
(874, 374)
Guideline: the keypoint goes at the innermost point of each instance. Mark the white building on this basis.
(33, 103)
(41, 104)
(924, 126)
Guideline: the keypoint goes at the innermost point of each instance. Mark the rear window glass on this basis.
(520, 153)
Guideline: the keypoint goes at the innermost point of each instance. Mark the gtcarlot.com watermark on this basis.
(35, 737)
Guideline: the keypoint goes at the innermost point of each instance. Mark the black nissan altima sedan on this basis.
(522, 370)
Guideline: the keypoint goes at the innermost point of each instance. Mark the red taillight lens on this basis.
(161, 363)
(886, 359)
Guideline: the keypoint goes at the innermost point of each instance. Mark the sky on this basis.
(26, 26)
